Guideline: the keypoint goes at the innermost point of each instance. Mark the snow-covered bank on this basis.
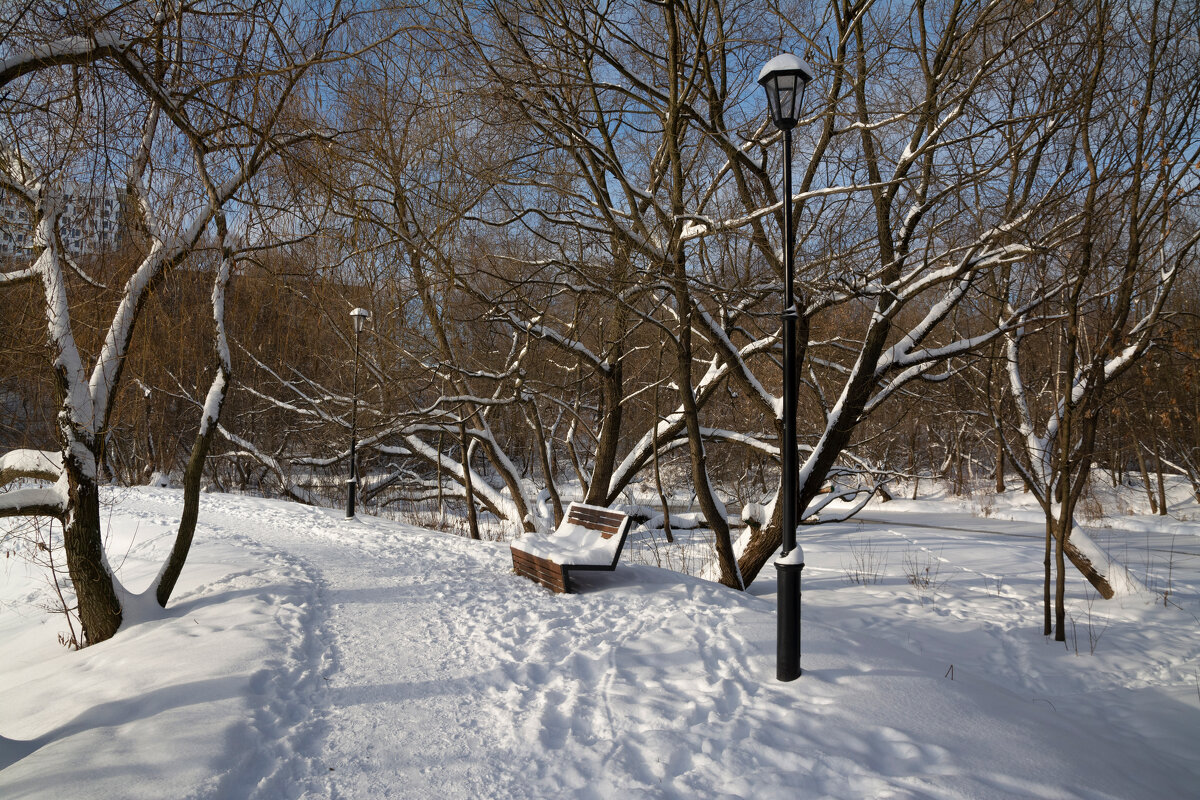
(308, 656)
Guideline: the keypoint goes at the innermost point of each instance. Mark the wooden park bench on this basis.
(589, 538)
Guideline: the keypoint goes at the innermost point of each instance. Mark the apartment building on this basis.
(90, 223)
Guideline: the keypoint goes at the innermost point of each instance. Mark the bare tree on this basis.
(1131, 186)
(181, 107)
(646, 160)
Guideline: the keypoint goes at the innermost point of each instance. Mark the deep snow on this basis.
(305, 655)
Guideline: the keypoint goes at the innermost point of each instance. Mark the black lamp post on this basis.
(784, 78)
(359, 316)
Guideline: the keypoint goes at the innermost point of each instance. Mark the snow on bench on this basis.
(589, 538)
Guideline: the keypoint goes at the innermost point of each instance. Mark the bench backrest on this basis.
(608, 523)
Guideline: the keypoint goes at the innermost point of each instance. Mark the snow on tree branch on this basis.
(45, 465)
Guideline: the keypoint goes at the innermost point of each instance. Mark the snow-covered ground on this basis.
(305, 655)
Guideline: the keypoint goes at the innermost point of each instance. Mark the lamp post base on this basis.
(787, 663)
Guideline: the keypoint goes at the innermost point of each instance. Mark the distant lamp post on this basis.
(785, 78)
(359, 317)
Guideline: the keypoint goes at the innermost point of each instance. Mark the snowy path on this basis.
(449, 677)
(453, 678)
(366, 659)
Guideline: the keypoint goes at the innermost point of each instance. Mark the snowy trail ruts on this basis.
(278, 750)
(400, 684)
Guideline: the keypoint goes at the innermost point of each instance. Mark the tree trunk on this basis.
(1114, 469)
(676, 269)
(1158, 473)
(465, 449)
(99, 608)
(611, 390)
(713, 514)
(441, 489)
(999, 466)
(1060, 579)
(1149, 487)
(209, 419)
(1088, 570)
(1047, 623)
(662, 497)
(539, 434)
(192, 477)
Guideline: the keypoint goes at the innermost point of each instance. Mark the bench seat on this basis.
(589, 538)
